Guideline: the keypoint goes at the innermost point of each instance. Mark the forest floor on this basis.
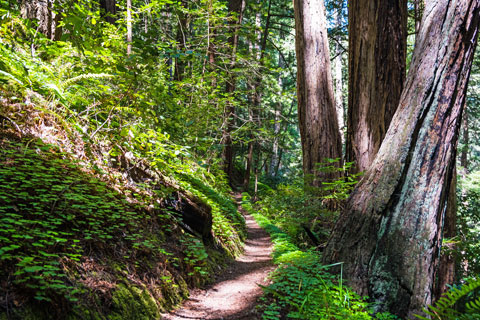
(235, 291)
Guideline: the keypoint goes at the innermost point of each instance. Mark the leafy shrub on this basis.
(297, 206)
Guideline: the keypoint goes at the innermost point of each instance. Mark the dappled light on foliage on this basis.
(130, 128)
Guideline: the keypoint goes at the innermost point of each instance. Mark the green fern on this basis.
(444, 308)
(10, 76)
(70, 81)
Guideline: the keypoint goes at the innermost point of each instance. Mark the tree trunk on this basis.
(108, 10)
(42, 12)
(248, 166)
(464, 153)
(318, 123)
(390, 232)
(377, 66)
(181, 39)
(337, 66)
(57, 34)
(129, 27)
(446, 271)
(276, 137)
(418, 7)
(236, 7)
(277, 166)
(255, 88)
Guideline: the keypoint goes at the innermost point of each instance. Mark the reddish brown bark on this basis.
(377, 66)
(318, 123)
(389, 234)
(445, 275)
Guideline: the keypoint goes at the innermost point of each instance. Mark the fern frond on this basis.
(474, 306)
(70, 81)
(10, 76)
(444, 309)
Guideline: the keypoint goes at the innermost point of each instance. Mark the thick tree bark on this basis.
(42, 11)
(254, 111)
(377, 66)
(318, 123)
(446, 272)
(389, 234)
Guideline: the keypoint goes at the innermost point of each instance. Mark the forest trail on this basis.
(234, 293)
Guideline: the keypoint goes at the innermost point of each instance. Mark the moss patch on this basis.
(130, 302)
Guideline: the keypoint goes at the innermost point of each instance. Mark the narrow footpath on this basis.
(235, 292)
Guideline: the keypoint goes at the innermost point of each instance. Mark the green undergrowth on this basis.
(461, 302)
(302, 288)
(70, 241)
(86, 168)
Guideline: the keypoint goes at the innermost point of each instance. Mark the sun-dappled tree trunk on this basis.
(129, 27)
(377, 64)
(390, 232)
(43, 12)
(318, 123)
(337, 67)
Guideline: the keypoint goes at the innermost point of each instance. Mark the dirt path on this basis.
(235, 291)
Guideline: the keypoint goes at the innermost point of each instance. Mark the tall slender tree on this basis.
(260, 46)
(236, 9)
(181, 38)
(390, 232)
(337, 67)
(129, 27)
(377, 65)
(318, 123)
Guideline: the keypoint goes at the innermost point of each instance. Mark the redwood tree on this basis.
(318, 123)
(390, 232)
(377, 63)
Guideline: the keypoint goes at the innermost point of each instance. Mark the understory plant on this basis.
(304, 212)
(303, 288)
(459, 303)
